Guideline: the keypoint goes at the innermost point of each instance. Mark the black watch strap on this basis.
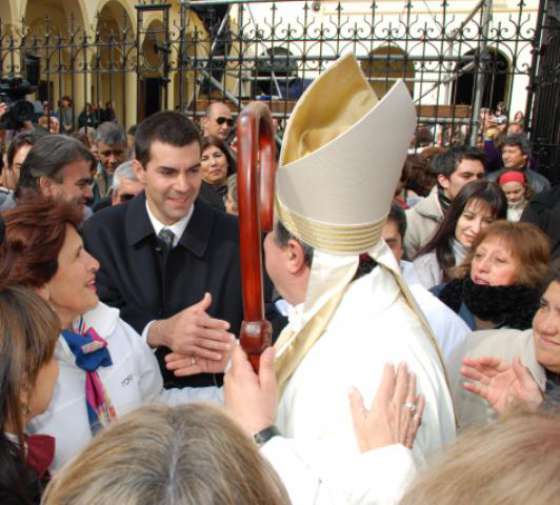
(263, 436)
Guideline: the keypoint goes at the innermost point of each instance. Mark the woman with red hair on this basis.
(106, 368)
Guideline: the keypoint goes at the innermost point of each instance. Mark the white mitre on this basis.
(341, 160)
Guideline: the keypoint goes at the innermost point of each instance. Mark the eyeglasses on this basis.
(221, 120)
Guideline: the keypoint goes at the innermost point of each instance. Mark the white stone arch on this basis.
(127, 7)
(40, 8)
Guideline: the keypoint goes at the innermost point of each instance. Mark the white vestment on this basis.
(318, 457)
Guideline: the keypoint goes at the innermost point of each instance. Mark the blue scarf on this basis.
(91, 352)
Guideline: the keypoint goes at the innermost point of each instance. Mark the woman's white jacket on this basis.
(133, 380)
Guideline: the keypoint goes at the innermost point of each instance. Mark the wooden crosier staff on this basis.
(256, 167)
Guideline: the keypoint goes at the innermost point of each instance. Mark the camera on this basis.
(13, 91)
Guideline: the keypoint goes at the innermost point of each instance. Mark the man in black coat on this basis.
(170, 262)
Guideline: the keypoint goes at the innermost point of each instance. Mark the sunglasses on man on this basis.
(221, 120)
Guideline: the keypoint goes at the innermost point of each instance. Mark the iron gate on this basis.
(183, 55)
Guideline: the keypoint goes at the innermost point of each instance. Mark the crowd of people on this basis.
(414, 301)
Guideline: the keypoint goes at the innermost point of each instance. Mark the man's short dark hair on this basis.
(519, 140)
(283, 236)
(168, 127)
(48, 156)
(20, 140)
(398, 216)
(447, 162)
(110, 133)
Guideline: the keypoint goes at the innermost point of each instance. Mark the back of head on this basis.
(48, 157)
(417, 176)
(424, 136)
(124, 171)
(168, 127)
(89, 131)
(512, 462)
(189, 455)
(398, 216)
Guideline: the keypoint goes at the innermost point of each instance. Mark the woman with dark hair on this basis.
(498, 285)
(477, 205)
(28, 374)
(217, 164)
(106, 368)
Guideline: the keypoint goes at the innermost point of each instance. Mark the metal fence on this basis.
(545, 94)
(456, 64)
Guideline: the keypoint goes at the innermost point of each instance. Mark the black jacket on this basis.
(544, 211)
(134, 279)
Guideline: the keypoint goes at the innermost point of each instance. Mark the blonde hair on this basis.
(188, 455)
(512, 462)
(528, 245)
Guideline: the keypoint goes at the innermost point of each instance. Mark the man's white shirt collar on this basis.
(178, 228)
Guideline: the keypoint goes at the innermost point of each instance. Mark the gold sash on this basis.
(286, 363)
(296, 345)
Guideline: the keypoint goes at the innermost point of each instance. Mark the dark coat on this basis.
(210, 196)
(544, 211)
(19, 483)
(133, 278)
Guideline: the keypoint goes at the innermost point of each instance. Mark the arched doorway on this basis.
(50, 24)
(113, 61)
(496, 81)
(385, 65)
(153, 82)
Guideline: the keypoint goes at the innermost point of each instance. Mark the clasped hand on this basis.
(199, 342)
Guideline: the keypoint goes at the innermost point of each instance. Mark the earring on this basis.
(25, 410)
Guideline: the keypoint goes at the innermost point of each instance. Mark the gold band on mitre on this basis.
(330, 237)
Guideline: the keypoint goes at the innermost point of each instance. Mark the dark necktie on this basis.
(166, 237)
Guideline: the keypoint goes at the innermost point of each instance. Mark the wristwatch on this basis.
(263, 436)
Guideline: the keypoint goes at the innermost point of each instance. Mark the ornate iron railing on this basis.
(183, 55)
